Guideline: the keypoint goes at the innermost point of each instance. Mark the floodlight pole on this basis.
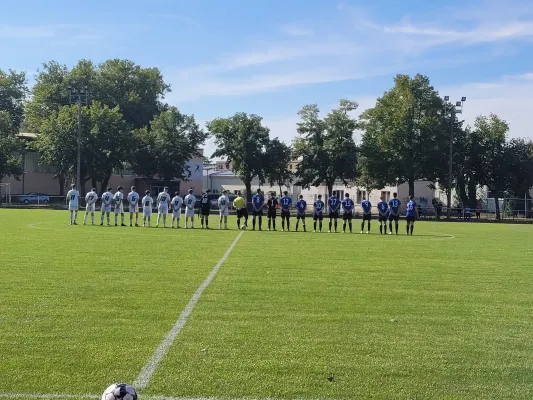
(457, 109)
(79, 96)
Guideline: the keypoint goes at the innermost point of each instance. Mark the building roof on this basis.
(28, 135)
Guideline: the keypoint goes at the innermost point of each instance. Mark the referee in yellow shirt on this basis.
(242, 211)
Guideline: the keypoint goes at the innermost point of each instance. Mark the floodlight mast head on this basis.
(446, 98)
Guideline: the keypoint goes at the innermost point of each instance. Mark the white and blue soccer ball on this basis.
(120, 391)
(243, 227)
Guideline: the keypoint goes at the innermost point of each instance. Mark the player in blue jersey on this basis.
(318, 212)
(394, 212)
(410, 215)
(347, 206)
(301, 208)
(367, 214)
(286, 202)
(334, 204)
(258, 202)
(383, 215)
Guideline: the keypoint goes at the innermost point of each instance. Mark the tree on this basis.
(13, 90)
(326, 146)
(243, 140)
(10, 147)
(167, 145)
(105, 143)
(136, 91)
(521, 177)
(495, 162)
(278, 157)
(408, 131)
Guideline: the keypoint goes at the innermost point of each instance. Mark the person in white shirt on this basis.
(107, 200)
(177, 202)
(190, 202)
(162, 206)
(73, 198)
(133, 205)
(223, 205)
(90, 205)
(118, 199)
(148, 204)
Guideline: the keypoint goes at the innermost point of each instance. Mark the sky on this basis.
(273, 57)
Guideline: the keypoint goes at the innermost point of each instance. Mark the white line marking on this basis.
(143, 379)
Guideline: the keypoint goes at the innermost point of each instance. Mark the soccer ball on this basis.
(120, 391)
(243, 227)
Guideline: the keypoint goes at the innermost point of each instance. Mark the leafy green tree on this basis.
(167, 145)
(495, 161)
(10, 147)
(326, 146)
(520, 179)
(277, 159)
(243, 140)
(136, 91)
(13, 90)
(105, 142)
(407, 130)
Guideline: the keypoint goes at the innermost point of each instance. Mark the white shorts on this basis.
(189, 212)
(147, 211)
(162, 210)
(134, 208)
(225, 212)
(73, 206)
(106, 208)
(176, 214)
(119, 209)
(90, 208)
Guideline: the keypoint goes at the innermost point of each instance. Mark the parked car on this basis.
(34, 198)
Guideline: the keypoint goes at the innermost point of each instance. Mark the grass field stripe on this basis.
(47, 396)
(151, 365)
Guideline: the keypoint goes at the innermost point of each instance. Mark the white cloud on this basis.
(29, 32)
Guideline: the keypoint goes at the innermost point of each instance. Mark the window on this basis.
(385, 195)
(361, 194)
(338, 193)
(290, 166)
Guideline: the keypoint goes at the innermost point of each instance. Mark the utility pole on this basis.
(457, 109)
(79, 96)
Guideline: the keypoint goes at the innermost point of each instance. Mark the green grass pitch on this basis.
(444, 314)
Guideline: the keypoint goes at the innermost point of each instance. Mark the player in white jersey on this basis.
(177, 202)
(190, 202)
(163, 199)
(223, 205)
(148, 204)
(107, 200)
(90, 205)
(73, 198)
(118, 199)
(133, 205)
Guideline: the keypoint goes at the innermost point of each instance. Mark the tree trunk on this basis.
(93, 184)
(472, 195)
(105, 183)
(497, 204)
(411, 186)
(61, 180)
(248, 186)
(330, 188)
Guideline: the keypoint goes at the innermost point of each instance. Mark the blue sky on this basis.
(272, 57)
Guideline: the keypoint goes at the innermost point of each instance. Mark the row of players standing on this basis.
(387, 212)
(165, 205)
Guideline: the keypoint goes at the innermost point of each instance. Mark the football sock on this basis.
(320, 226)
(335, 225)
(407, 227)
(368, 226)
(260, 222)
(362, 226)
(412, 227)
(269, 223)
(330, 223)
(314, 225)
(396, 228)
(283, 223)
(344, 227)
(274, 224)
(350, 225)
